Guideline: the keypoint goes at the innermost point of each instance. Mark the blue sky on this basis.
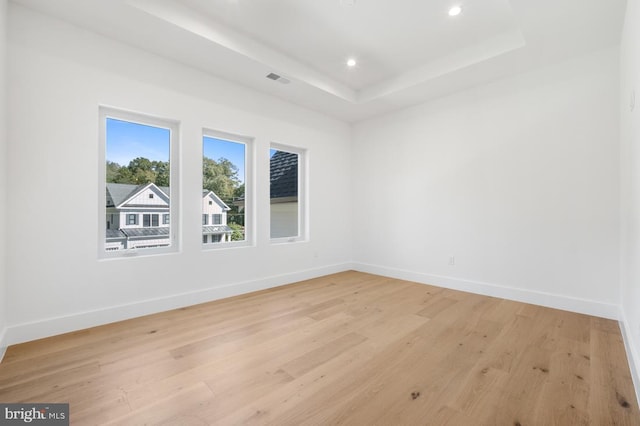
(233, 151)
(126, 141)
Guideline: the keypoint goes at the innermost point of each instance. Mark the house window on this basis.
(204, 239)
(216, 238)
(165, 219)
(287, 212)
(150, 220)
(227, 185)
(138, 168)
(205, 219)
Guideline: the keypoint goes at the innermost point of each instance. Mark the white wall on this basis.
(58, 75)
(3, 173)
(518, 180)
(630, 178)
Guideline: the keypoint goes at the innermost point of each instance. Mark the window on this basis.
(205, 219)
(149, 220)
(204, 239)
(165, 219)
(226, 186)
(286, 172)
(138, 169)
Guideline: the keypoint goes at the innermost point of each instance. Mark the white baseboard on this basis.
(550, 300)
(47, 327)
(58, 325)
(632, 352)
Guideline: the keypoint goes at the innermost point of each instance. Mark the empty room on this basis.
(287, 212)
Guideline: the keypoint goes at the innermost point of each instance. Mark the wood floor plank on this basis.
(349, 348)
(611, 392)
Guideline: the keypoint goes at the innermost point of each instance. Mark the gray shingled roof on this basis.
(218, 229)
(119, 192)
(146, 232)
(284, 174)
(114, 233)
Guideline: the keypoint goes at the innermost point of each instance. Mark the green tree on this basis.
(161, 168)
(239, 192)
(139, 171)
(238, 232)
(221, 177)
(113, 170)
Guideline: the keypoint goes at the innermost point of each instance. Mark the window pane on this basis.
(223, 192)
(284, 188)
(137, 182)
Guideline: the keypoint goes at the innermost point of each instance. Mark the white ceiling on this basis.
(408, 51)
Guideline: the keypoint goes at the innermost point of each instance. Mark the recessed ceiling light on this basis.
(455, 11)
(351, 62)
(348, 2)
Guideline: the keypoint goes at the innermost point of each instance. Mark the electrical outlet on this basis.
(452, 260)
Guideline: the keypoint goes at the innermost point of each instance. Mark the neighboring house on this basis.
(284, 194)
(137, 216)
(214, 219)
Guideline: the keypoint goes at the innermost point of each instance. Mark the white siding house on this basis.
(137, 216)
(214, 219)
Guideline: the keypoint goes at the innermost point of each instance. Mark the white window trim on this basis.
(174, 209)
(303, 194)
(249, 185)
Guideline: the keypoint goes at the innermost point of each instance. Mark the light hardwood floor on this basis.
(349, 348)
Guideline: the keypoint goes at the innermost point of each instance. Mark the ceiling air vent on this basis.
(278, 78)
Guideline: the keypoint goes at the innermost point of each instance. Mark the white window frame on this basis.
(303, 220)
(249, 185)
(173, 126)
